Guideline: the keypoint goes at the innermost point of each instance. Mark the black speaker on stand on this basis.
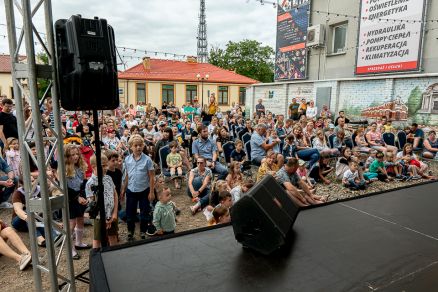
(263, 219)
(87, 73)
(87, 64)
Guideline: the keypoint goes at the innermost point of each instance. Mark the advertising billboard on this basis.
(291, 53)
(390, 36)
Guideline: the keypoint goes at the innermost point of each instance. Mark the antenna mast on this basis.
(202, 35)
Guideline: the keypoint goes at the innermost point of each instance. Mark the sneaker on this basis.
(24, 261)
(398, 177)
(415, 177)
(151, 230)
(142, 235)
(408, 178)
(6, 205)
(130, 236)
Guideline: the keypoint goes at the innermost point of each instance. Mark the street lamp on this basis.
(202, 79)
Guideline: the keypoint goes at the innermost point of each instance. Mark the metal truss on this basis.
(40, 209)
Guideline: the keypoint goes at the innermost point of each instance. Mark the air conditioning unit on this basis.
(315, 35)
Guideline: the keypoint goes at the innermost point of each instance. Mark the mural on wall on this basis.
(395, 110)
(419, 104)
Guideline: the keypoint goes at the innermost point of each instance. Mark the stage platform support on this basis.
(26, 75)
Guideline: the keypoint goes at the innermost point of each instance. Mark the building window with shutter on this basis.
(167, 93)
(141, 93)
(242, 95)
(223, 95)
(191, 91)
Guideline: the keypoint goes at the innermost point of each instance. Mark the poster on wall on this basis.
(291, 54)
(390, 36)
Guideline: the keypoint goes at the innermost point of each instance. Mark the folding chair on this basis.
(389, 138)
(228, 148)
(246, 138)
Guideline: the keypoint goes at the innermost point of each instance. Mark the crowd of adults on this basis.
(210, 152)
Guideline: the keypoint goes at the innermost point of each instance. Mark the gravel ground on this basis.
(13, 280)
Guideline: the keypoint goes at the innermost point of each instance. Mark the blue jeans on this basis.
(356, 185)
(5, 192)
(221, 170)
(21, 225)
(204, 196)
(132, 201)
(311, 155)
(257, 160)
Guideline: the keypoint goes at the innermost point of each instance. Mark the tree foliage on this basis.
(43, 84)
(247, 57)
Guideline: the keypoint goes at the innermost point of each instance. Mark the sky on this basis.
(165, 25)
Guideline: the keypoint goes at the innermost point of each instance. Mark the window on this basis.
(191, 91)
(141, 93)
(167, 93)
(223, 95)
(242, 95)
(339, 38)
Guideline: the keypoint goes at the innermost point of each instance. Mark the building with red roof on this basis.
(157, 81)
(6, 77)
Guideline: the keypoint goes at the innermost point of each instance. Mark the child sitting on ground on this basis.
(225, 200)
(240, 190)
(303, 174)
(377, 169)
(110, 202)
(408, 171)
(371, 158)
(164, 214)
(235, 176)
(321, 170)
(393, 168)
(174, 162)
(352, 179)
(221, 215)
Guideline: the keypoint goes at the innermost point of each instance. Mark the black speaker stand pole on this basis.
(100, 197)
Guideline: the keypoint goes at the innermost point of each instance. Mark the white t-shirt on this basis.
(129, 124)
(311, 112)
(351, 175)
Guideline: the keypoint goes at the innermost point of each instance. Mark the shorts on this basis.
(390, 169)
(112, 231)
(75, 209)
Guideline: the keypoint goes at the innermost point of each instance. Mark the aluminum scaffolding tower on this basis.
(202, 35)
(27, 74)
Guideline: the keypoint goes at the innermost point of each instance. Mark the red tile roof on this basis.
(170, 70)
(5, 64)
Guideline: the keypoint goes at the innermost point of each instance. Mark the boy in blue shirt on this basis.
(138, 185)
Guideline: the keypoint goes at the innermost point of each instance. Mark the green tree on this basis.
(247, 57)
(43, 84)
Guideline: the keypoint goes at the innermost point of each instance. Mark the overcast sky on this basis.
(166, 25)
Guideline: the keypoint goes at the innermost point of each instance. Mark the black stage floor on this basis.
(387, 242)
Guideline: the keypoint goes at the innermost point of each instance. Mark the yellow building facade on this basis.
(131, 92)
(157, 81)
